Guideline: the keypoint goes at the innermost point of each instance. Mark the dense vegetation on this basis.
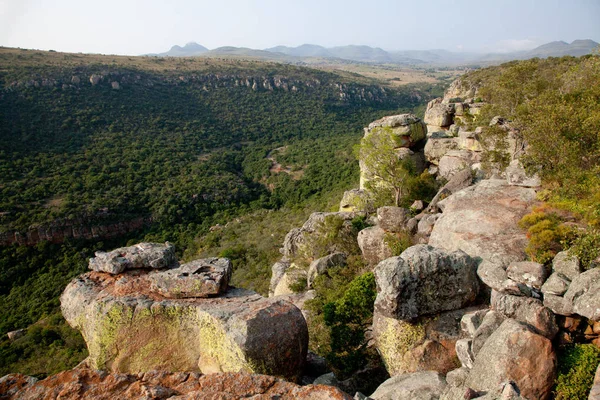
(184, 144)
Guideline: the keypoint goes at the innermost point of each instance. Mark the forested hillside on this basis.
(96, 151)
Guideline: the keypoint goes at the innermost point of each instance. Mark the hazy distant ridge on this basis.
(379, 56)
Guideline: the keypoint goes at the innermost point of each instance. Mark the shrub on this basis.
(586, 247)
(546, 233)
(577, 366)
(397, 242)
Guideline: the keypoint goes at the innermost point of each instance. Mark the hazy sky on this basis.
(145, 26)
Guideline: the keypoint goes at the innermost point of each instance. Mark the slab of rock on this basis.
(86, 383)
(527, 310)
(556, 285)
(567, 265)
(141, 255)
(321, 265)
(515, 353)
(482, 220)
(277, 271)
(455, 161)
(393, 219)
(372, 245)
(206, 277)
(527, 272)
(128, 328)
(489, 324)
(424, 280)
(584, 294)
(459, 181)
(464, 352)
(427, 385)
(516, 175)
(469, 141)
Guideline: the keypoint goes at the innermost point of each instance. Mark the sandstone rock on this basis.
(527, 310)
(426, 224)
(470, 322)
(393, 219)
(595, 391)
(514, 353)
(130, 329)
(319, 266)
(425, 280)
(460, 89)
(277, 271)
(566, 264)
(417, 205)
(529, 273)
(427, 385)
(495, 276)
(464, 353)
(481, 220)
(457, 377)
(557, 284)
(372, 245)
(469, 141)
(516, 175)
(115, 85)
(455, 129)
(455, 161)
(584, 294)
(407, 129)
(142, 255)
(14, 335)
(200, 278)
(436, 148)
(559, 305)
(12, 384)
(417, 158)
(439, 114)
(458, 182)
(355, 200)
(489, 324)
(85, 383)
(290, 280)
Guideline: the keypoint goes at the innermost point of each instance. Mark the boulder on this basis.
(129, 328)
(457, 377)
(464, 352)
(595, 391)
(319, 266)
(142, 255)
(482, 220)
(277, 271)
(417, 205)
(87, 383)
(489, 324)
(355, 200)
(494, 276)
(516, 175)
(469, 141)
(526, 310)
(200, 278)
(14, 335)
(115, 85)
(528, 273)
(407, 129)
(556, 285)
(584, 294)
(426, 224)
(567, 265)
(424, 280)
(439, 114)
(455, 161)
(75, 80)
(95, 79)
(559, 305)
(12, 385)
(470, 322)
(427, 385)
(393, 219)
(458, 182)
(328, 379)
(372, 245)
(438, 147)
(291, 281)
(515, 353)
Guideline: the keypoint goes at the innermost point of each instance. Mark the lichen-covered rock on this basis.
(141, 255)
(559, 305)
(427, 385)
(200, 278)
(321, 265)
(459, 181)
(584, 294)
(129, 328)
(85, 383)
(292, 280)
(439, 114)
(277, 271)
(407, 129)
(373, 245)
(438, 147)
(528, 273)
(424, 280)
(515, 353)
(557, 285)
(482, 220)
(527, 310)
(567, 265)
(426, 223)
(355, 200)
(393, 219)
(469, 141)
(12, 384)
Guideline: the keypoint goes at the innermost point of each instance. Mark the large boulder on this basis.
(355, 200)
(128, 327)
(439, 114)
(321, 265)
(515, 353)
(277, 272)
(393, 219)
(373, 245)
(455, 161)
(425, 280)
(87, 383)
(481, 220)
(427, 385)
(437, 147)
(142, 255)
(407, 129)
(584, 294)
(292, 281)
(595, 391)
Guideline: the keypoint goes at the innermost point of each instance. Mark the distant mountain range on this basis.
(376, 55)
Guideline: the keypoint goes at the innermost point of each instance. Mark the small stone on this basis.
(471, 321)
(417, 205)
(528, 273)
(115, 85)
(14, 335)
(557, 284)
(566, 264)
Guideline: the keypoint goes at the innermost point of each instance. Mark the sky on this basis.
(134, 27)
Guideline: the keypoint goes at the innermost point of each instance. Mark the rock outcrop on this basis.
(85, 383)
(183, 319)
